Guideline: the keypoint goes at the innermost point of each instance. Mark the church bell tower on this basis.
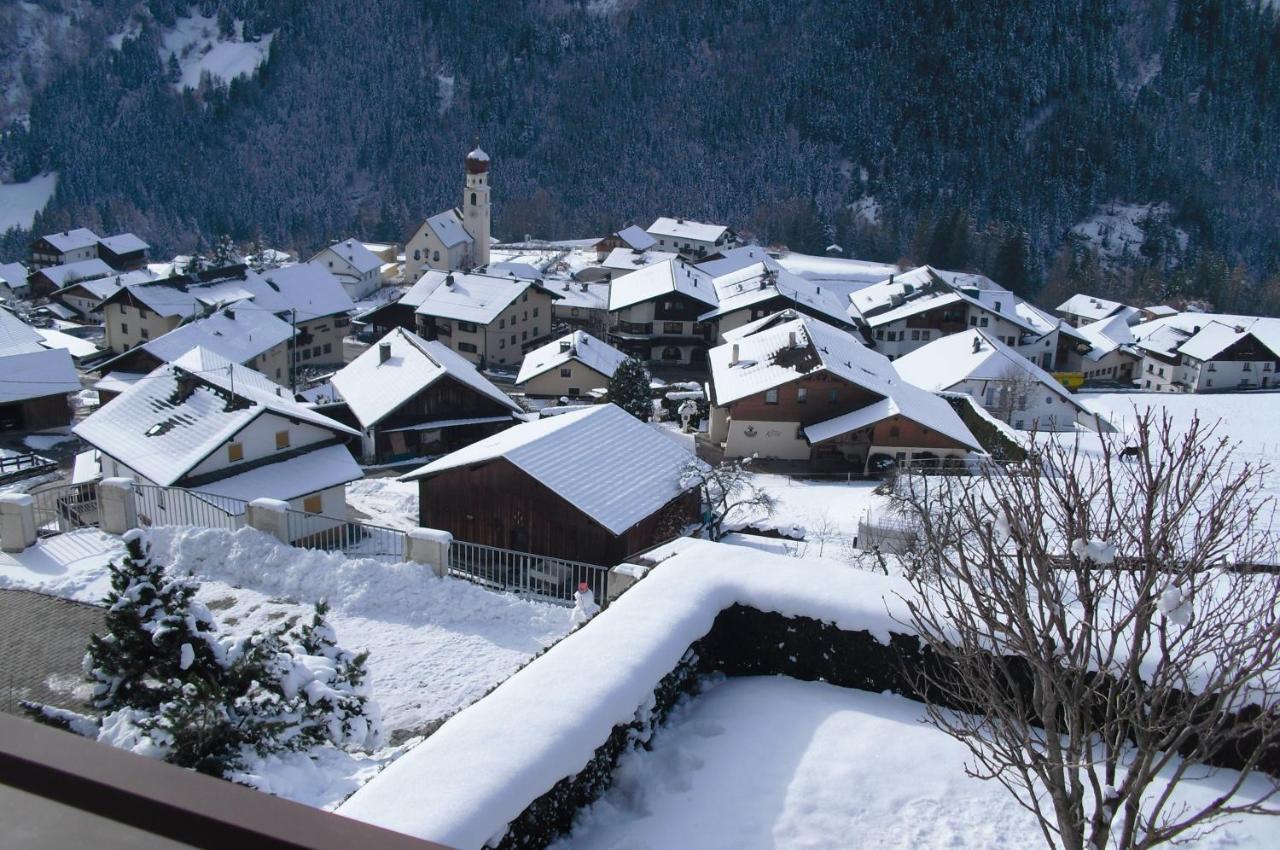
(475, 206)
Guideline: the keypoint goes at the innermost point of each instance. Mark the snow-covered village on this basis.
(539, 517)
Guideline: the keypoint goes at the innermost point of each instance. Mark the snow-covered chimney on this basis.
(384, 352)
(448, 279)
(564, 345)
(977, 343)
(733, 357)
(791, 339)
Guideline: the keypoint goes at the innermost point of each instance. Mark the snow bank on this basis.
(569, 701)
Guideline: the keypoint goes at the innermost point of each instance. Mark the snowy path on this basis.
(778, 763)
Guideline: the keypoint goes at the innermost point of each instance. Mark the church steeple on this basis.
(475, 206)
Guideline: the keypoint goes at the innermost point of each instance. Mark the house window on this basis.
(566, 373)
(513, 339)
(1213, 367)
(341, 322)
(502, 324)
(973, 320)
(315, 352)
(573, 311)
(771, 396)
(306, 354)
(802, 395)
(235, 452)
(467, 347)
(879, 334)
(282, 439)
(435, 256)
(124, 329)
(525, 316)
(469, 327)
(146, 334)
(924, 335)
(328, 348)
(915, 335)
(575, 391)
(473, 199)
(524, 335)
(417, 255)
(535, 312)
(982, 323)
(672, 327)
(1248, 367)
(313, 504)
(502, 342)
(525, 297)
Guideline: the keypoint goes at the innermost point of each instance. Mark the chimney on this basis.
(891, 280)
(977, 343)
(564, 345)
(733, 357)
(791, 339)
(448, 279)
(384, 352)
(1239, 329)
(231, 314)
(583, 285)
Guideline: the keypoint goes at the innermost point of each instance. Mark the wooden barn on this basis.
(595, 485)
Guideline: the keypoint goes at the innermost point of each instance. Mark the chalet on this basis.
(690, 238)
(358, 269)
(86, 296)
(69, 246)
(765, 288)
(633, 238)
(653, 313)
(1108, 352)
(50, 280)
(413, 398)
(123, 252)
(595, 485)
(1006, 384)
(457, 238)
(145, 311)
(241, 333)
(206, 424)
(35, 380)
(13, 282)
(569, 366)
(800, 389)
(1201, 352)
(624, 261)
(315, 302)
(491, 320)
(1081, 309)
(581, 306)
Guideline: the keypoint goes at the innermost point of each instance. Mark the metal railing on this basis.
(521, 572)
(24, 466)
(174, 506)
(62, 509)
(330, 534)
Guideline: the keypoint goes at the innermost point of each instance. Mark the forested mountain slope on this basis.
(963, 133)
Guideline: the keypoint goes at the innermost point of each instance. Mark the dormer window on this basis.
(235, 452)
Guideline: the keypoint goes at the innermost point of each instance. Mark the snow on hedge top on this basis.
(580, 346)
(972, 356)
(602, 460)
(162, 429)
(654, 281)
(569, 700)
(373, 389)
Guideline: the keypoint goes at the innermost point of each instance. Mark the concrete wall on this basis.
(780, 440)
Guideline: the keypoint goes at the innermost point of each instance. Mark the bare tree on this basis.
(1010, 393)
(728, 491)
(1096, 618)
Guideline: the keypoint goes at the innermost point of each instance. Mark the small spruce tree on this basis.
(338, 697)
(629, 389)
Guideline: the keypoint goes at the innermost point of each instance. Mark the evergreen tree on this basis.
(338, 698)
(224, 253)
(629, 389)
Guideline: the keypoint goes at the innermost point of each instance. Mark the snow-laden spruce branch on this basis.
(1100, 618)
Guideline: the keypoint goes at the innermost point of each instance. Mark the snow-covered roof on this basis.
(72, 240)
(1160, 310)
(661, 279)
(1105, 336)
(13, 275)
(306, 473)
(160, 432)
(118, 382)
(478, 155)
(100, 288)
(124, 243)
(909, 402)
(467, 296)
(509, 268)
(1089, 307)
(766, 359)
(1160, 339)
(448, 228)
(971, 355)
(309, 288)
(356, 255)
(602, 460)
(926, 288)
(593, 295)
(731, 260)
(237, 333)
(16, 336)
(636, 238)
(1010, 307)
(373, 388)
(177, 296)
(1216, 337)
(65, 275)
(895, 290)
(741, 289)
(683, 228)
(580, 346)
(35, 374)
(74, 345)
(627, 260)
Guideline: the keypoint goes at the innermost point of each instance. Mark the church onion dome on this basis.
(477, 162)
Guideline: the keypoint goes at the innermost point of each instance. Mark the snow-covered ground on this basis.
(435, 645)
(19, 202)
(385, 501)
(1116, 230)
(199, 46)
(778, 763)
(1250, 419)
(828, 511)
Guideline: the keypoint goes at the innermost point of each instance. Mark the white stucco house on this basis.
(358, 269)
(457, 238)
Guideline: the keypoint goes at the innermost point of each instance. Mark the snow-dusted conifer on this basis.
(338, 696)
(629, 389)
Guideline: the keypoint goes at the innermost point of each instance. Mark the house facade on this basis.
(570, 366)
(457, 238)
(491, 320)
(692, 239)
(654, 314)
(358, 269)
(69, 246)
(35, 380)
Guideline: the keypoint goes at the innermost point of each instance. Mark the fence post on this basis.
(620, 578)
(17, 522)
(117, 505)
(429, 546)
(269, 515)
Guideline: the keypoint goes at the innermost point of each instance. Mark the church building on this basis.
(457, 238)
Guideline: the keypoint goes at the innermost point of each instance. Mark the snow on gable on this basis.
(778, 353)
(910, 402)
(16, 336)
(448, 228)
(636, 238)
(580, 346)
(373, 387)
(238, 333)
(1105, 336)
(467, 296)
(167, 422)
(36, 374)
(654, 281)
(764, 281)
(356, 255)
(602, 460)
(308, 473)
(683, 228)
(309, 288)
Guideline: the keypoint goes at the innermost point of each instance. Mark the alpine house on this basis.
(570, 366)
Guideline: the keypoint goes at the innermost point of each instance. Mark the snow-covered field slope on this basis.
(19, 202)
(1250, 419)
(1118, 230)
(778, 763)
(200, 47)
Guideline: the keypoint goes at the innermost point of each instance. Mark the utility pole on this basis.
(293, 351)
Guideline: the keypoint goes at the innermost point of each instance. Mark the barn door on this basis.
(518, 535)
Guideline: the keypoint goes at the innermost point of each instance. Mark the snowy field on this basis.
(1250, 419)
(435, 645)
(778, 763)
(827, 511)
(19, 202)
(200, 47)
